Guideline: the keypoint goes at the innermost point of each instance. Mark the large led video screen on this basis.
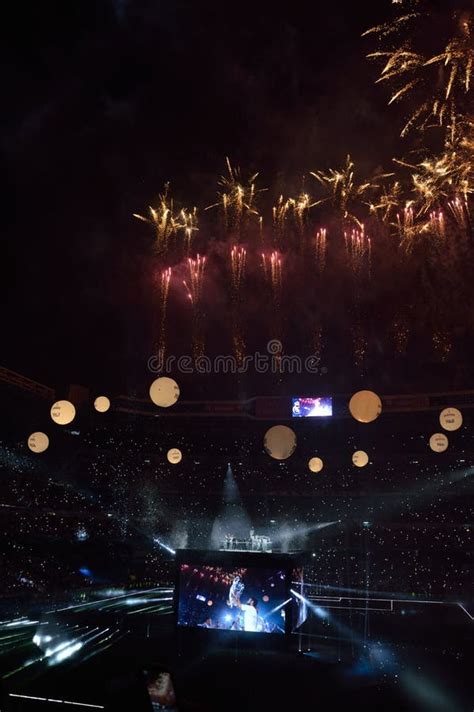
(311, 407)
(250, 600)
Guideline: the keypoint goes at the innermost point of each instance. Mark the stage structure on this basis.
(255, 543)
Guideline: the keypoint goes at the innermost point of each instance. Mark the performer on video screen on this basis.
(207, 623)
(250, 615)
(235, 592)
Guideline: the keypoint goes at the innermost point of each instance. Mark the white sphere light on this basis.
(38, 442)
(450, 419)
(360, 458)
(315, 464)
(63, 412)
(174, 455)
(280, 442)
(439, 442)
(164, 392)
(365, 406)
(102, 404)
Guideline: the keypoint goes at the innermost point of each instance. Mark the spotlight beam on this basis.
(112, 598)
(332, 601)
(277, 608)
(164, 546)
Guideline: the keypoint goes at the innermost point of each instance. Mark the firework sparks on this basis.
(317, 341)
(343, 191)
(188, 223)
(275, 262)
(427, 59)
(301, 207)
(359, 340)
(459, 208)
(238, 258)
(442, 344)
(291, 212)
(436, 180)
(162, 219)
(320, 248)
(196, 269)
(359, 251)
(165, 286)
(437, 84)
(237, 199)
(400, 333)
(387, 201)
(272, 270)
(167, 225)
(279, 212)
(436, 225)
(194, 290)
(440, 180)
(405, 225)
(164, 290)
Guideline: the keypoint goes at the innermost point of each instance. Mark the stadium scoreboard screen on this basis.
(320, 407)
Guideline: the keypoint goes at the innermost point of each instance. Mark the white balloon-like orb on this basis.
(38, 442)
(174, 455)
(439, 442)
(450, 419)
(63, 412)
(365, 406)
(102, 404)
(164, 392)
(315, 464)
(280, 442)
(360, 458)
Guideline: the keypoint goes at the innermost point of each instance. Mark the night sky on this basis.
(106, 101)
